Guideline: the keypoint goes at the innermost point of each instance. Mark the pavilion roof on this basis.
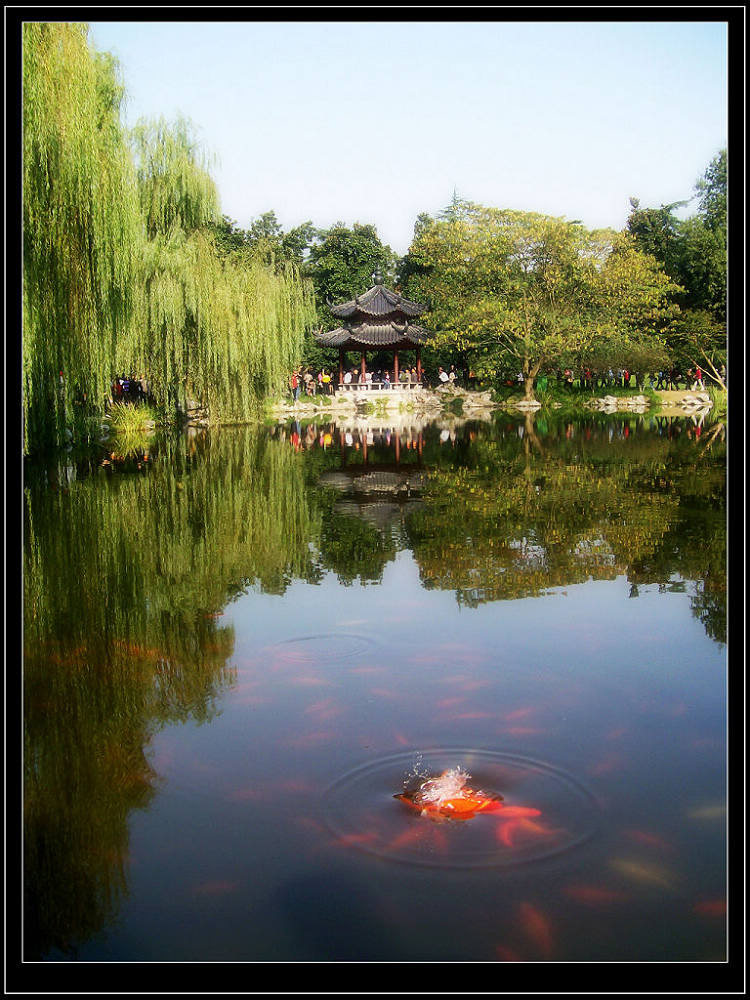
(377, 318)
(377, 301)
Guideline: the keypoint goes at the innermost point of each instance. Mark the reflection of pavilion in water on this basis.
(379, 490)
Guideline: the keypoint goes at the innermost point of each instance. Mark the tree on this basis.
(175, 187)
(266, 240)
(697, 338)
(81, 228)
(229, 237)
(343, 261)
(711, 189)
(657, 232)
(637, 303)
(527, 292)
(704, 256)
(694, 255)
(128, 264)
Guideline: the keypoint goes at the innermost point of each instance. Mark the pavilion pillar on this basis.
(395, 367)
(363, 369)
(341, 366)
(419, 364)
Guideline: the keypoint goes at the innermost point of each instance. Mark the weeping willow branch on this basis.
(81, 227)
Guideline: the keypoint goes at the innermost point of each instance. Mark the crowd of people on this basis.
(587, 378)
(130, 390)
(303, 382)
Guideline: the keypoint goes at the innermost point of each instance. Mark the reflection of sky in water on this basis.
(624, 695)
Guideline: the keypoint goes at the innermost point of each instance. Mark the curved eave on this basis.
(375, 335)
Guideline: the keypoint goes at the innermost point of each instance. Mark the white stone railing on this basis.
(379, 387)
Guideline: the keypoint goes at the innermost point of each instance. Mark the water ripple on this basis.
(546, 811)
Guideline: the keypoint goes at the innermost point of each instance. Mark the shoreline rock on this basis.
(612, 404)
(474, 403)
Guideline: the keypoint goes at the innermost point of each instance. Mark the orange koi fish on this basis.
(594, 895)
(711, 908)
(461, 807)
(518, 822)
(448, 797)
(537, 928)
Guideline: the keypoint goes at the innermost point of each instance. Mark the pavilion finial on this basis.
(377, 278)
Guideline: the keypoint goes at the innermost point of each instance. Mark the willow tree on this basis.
(222, 329)
(81, 228)
(121, 269)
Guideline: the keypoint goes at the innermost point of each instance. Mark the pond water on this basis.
(239, 648)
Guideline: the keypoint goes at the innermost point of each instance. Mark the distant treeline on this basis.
(511, 292)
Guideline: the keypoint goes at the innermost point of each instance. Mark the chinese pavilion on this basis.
(377, 320)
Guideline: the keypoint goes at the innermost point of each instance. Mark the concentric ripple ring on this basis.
(361, 811)
(321, 647)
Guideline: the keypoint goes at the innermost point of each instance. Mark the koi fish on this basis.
(640, 871)
(711, 908)
(459, 807)
(517, 821)
(593, 895)
(647, 839)
(716, 811)
(449, 797)
(537, 928)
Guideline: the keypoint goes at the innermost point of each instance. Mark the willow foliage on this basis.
(121, 268)
(81, 226)
(174, 186)
(223, 332)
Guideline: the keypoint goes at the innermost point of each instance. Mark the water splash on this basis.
(450, 784)
(449, 796)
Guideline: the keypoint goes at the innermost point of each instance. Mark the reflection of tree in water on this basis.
(355, 548)
(695, 546)
(525, 512)
(513, 509)
(124, 577)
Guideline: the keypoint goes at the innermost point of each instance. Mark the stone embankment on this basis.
(612, 404)
(420, 402)
(685, 402)
(430, 403)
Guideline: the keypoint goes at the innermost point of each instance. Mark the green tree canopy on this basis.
(694, 254)
(523, 291)
(342, 261)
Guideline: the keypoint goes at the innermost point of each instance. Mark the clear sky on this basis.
(375, 122)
